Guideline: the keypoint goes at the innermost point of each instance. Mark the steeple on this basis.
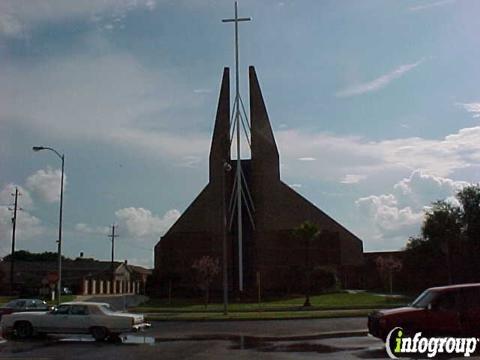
(220, 148)
(265, 157)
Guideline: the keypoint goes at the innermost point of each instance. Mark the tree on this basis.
(23, 255)
(307, 232)
(450, 234)
(442, 227)
(2, 275)
(206, 269)
(469, 198)
(386, 266)
(442, 222)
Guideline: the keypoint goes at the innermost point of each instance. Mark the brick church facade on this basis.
(270, 249)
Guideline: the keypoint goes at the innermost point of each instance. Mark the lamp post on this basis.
(226, 167)
(59, 282)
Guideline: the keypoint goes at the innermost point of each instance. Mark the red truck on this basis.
(448, 310)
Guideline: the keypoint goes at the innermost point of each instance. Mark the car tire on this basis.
(23, 330)
(114, 338)
(99, 333)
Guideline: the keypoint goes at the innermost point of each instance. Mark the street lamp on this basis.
(59, 282)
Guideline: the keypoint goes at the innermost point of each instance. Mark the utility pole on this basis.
(113, 236)
(14, 223)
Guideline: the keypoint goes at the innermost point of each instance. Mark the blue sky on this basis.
(375, 106)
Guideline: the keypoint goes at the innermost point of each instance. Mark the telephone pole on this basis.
(113, 236)
(14, 225)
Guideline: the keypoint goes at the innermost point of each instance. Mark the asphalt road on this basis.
(234, 348)
(275, 339)
(257, 328)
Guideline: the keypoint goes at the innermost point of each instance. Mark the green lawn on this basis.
(333, 301)
(65, 298)
(5, 299)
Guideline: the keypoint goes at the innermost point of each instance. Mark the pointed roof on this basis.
(264, 148)
(220, 148)
(261, 127)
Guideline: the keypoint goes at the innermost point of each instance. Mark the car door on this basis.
(470, 311)
(57, 321)
(78, 319)
(443, 316)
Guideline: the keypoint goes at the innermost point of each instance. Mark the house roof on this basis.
(71, 269)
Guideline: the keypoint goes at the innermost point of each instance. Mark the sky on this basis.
(375, 106)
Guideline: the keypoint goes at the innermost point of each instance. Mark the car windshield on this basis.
(424, 299)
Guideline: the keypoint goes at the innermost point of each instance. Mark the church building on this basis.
(260, 239)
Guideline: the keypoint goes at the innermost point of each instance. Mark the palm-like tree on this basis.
(307, 232)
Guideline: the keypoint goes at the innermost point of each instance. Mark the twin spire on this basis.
(263, 145)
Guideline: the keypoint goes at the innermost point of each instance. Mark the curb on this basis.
(152, 317)
(231, 337)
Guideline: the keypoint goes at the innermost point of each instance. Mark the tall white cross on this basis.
(236, 20)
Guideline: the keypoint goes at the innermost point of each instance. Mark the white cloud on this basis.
(190, 161)
(389, 219)
(187, 149)
(202, 91)
(379, 82)
(24, 199)
(353, 178)
(87, 229)
(46, 184)
(150, 4)
(306, 159)
(106, 99)
(11, 26)
(28, 227)
(473, 108)
(420, 189)
(141, 223)
(430, 5)
(19, 16)
(339, 155)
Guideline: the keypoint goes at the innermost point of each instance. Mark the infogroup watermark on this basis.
(398, 344)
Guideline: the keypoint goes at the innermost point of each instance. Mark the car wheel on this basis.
(23, 330)
(99, 333)
(114, 338)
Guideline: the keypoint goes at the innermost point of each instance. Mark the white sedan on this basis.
(76, 317)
